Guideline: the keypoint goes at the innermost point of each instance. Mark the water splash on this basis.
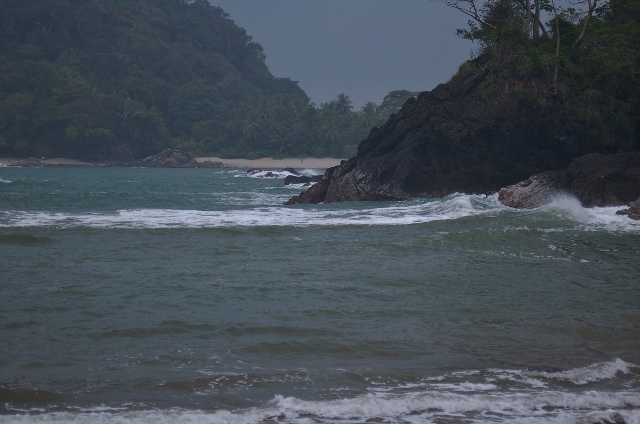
(568, 206)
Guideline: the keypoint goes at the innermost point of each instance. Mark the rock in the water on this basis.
(632, 212)
(534, 192)
(302, 179)
(177, 159)
(594, 179)
(455, 139)
(291, 171)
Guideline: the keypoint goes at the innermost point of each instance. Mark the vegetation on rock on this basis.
(535, 98)
(587, 60)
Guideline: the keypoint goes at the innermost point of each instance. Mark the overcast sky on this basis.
(363, 48)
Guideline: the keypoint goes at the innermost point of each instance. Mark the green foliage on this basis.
(107, 79)
(118, 80)
(597, 77)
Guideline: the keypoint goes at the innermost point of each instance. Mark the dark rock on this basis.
(27, 162)
(176, 159)
(453, 139)
(632, 212)
(296, 179)
(291, 171)
(302, 179)
(594, 179)
(616, 418)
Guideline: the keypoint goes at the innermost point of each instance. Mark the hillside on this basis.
(527, 104)
(118, 80)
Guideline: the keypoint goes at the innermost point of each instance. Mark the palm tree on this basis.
(252, 130)
(343, 105)
(367, 115)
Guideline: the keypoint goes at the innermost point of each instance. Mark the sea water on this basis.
(194, 296)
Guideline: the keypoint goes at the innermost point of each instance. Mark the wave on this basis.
(277, 174)
(454, 207)
(599, 218)
(481, 396)
(254, 213)
(5, 181)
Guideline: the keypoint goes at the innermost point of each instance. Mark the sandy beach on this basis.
(263, 163)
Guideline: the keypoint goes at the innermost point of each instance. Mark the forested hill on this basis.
(117, 80)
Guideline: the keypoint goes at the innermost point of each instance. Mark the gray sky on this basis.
(363, 48)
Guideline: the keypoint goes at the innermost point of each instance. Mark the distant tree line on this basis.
(123, 79)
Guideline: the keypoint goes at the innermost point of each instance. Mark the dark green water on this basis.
(158, 295)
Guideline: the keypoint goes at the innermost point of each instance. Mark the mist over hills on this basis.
(119, 80)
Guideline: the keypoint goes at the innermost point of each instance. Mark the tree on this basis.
(343, 105)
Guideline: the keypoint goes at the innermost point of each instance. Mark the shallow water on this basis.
(160, 295)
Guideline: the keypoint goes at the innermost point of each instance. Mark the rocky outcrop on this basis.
(176, 159)
(457, 139)
(595, 179)
(632, 212)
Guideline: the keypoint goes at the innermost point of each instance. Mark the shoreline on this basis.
(297, 163)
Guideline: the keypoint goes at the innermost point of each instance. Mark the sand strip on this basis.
(270, 163)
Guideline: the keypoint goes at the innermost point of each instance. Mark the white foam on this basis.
(570, 205)
(5, 181)
(310, 172)
(590, 219)
(396, 214)
(555, 406)
(595, 372)
(262, 173)
(435, 399)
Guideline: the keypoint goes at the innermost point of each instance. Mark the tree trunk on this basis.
(592, 6)
(536, 19)
(557, 34)
(527, 21)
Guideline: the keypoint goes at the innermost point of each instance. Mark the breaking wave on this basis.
(453, 207)
(482, 396)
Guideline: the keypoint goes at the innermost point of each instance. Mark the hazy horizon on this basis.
(363, 48)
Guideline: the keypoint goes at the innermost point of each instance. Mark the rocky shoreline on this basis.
(452, 139)
(594, 179)
(455, 139)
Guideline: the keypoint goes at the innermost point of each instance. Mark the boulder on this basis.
(302, 179)
(632, 212)
(594, 179)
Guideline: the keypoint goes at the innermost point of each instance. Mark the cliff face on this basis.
(457, 138)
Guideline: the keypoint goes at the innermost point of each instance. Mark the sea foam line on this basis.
(398, 214)
(443, 403)
(545, 407)
(453, 207)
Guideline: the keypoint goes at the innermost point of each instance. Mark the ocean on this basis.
(133, 295)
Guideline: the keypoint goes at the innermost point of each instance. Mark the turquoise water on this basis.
(164, 295)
